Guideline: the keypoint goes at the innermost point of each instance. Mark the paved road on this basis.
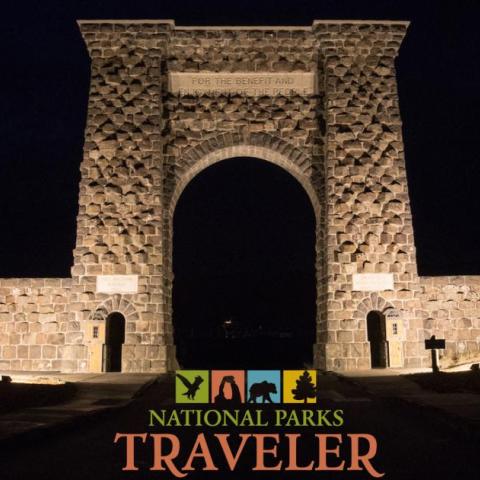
(411, 446)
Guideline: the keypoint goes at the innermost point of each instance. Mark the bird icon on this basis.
(192, 387)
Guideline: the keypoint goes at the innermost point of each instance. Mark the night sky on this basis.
(45, 76)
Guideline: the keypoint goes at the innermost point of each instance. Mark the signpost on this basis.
(434, 344)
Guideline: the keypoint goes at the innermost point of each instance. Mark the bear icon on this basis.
(262, 389)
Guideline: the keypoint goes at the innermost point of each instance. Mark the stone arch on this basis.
(262, 146)
(115, 329)
(111, 320)
(370, 317)
(372, 302)
(115, 303)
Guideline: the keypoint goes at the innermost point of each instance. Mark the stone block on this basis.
(9, 352)
(26, 365)
(49, 352)
(344, 336)
(74, 338)
(56, 338)
(50, 327)
(35, 351)
(72, 352)
(46, 317)
(22, 351)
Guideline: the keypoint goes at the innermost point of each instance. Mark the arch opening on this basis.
(376, 333)
(244, 289)
(114, 340)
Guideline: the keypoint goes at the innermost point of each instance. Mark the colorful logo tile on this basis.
(263, 386)
(228, 387)
(191, 386)
(299, 386)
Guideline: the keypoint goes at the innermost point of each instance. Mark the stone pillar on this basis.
(119, 228)
(369, 224)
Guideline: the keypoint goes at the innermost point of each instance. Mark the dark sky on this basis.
(45, 74)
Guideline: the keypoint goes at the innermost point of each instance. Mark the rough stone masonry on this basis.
(165, 103)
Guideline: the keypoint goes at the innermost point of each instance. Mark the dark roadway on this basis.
(410, 445)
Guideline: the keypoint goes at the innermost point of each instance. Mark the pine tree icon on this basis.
(305, 388)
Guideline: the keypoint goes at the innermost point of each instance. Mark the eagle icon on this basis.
(192, 387)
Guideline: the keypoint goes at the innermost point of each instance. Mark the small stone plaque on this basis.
(247, 83)
(117, 283)
(393, 314)
(372, 282)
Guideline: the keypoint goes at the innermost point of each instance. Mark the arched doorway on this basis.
(376, 332)
(244, 285)
(114, 339)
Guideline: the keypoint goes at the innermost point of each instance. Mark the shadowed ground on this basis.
(411, 445)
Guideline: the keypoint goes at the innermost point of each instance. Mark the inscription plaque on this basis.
(117, 283)
(393, 314)
(372, 282)
(246, 83)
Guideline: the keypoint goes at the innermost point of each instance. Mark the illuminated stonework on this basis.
(319, 101)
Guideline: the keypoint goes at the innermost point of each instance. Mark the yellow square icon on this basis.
(299, 386)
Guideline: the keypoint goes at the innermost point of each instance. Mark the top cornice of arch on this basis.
(171, 23)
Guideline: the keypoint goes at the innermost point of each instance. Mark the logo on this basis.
(299, 386)
(228, 387)
(191, 386)
(241, 419)
(235, 387)
(264, 386)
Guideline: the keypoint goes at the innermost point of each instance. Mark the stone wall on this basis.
(450, 309)
(34, 321)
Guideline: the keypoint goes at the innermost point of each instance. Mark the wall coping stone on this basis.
(171, 22)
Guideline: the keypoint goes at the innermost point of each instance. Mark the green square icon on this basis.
(192, 386)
